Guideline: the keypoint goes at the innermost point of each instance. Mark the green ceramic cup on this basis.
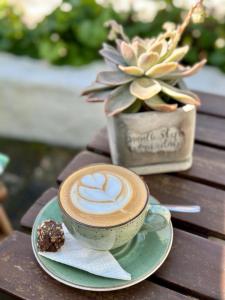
(151, 218)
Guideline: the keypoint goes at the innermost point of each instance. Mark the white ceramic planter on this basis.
(153, 142)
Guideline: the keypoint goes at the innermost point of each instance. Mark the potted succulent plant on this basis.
(150, 113)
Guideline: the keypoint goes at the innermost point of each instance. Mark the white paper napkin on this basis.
(101, 263)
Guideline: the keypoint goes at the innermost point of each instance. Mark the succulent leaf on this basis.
(110, 65)
(119, 100)
(131, 70)
(112, 55)
(128, 53)
(115, 30)
(94, 87)
(159, 47)
(138, 48)
(185, 72)
(194, 69)
(108, 47)
(135, 107)
(177, 54)
(144, 88)
(157, 103)
(113, 78)
(182, 96)
(147, 60)
(98, 96)
(162, 69)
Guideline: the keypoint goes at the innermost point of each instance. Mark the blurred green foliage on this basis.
(73, 33)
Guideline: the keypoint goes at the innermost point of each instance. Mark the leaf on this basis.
(108, 47)
(186, 71)
(94, 87)
(182, 96)
(98, 96)
(111, 49)
(112, 56)
(159, 47)
(110, 65)
(134, 108)
(131, 70)
(115, 30)
(147, 60)
(156, 103)
(138, 48)
(113, 78)
(159, 70)
(178, 54)
(128, 53)
(194, 69)
(144, 88)
(119, 100)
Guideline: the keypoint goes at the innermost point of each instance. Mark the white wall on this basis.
(42, 102)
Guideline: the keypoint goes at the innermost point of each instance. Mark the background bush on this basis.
(73, 33)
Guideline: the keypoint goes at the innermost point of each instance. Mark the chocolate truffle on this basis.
(50, 236)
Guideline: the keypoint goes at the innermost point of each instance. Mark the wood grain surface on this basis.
(212, 104)
(22, 277)
(208, 163)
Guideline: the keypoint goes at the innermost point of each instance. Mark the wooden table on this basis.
(5, 226)
(195, 268)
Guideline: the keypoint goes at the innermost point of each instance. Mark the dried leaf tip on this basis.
(116, 30)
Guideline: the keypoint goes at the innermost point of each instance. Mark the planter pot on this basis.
(153, 142)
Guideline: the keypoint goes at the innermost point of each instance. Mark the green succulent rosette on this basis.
(144, 71)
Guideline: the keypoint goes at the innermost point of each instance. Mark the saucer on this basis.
(141, 257)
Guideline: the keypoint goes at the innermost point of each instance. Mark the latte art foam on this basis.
(101, 193)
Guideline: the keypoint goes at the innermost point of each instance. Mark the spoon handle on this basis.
(182, 208)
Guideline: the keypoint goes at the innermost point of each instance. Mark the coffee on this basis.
(103, 195)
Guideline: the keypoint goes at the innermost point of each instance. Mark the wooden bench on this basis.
(195, 268)
(5, 225)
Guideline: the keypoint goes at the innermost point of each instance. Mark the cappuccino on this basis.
(103, 195)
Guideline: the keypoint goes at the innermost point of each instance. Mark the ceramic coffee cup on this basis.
(108, 230)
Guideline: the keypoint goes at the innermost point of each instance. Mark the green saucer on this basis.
(141, 257)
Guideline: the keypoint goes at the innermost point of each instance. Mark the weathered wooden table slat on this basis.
(84, 158)
(210, 130)
(21, 276)
(29, 217)
(195, 268)
(212, 104)
(206, 161)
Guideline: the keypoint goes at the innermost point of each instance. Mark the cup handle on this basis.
(157, 218)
